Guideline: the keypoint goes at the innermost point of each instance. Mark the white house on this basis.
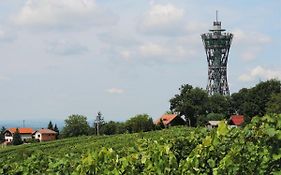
(25, 133)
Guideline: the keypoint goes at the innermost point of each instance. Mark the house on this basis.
(45, 135)
(170, 120)
(25, 133)
(236, 120)
(213, 124)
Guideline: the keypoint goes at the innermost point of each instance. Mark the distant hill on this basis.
(35, 124)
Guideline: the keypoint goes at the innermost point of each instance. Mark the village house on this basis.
(213, 124)
(45, 135)
(170, 120)
(236, 120)
(25, 133)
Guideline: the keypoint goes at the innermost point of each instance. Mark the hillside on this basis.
(254, 149)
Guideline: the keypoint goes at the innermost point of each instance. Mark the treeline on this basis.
(76, 125)
(195, 105)
(198, 107)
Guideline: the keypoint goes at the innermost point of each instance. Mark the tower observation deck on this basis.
(217, 44)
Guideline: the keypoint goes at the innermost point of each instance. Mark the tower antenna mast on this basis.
(217, 14)
(217, 44)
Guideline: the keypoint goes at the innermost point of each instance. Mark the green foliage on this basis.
(141, 122)
(254, 149)
(50, 126)
(191, 102)
(17, 138)
(255, 101)
(215, 116)
(274, 104)
(56, 130)
(110, 128)
(2, 137)
(75, 125)
(219, 104)
(3, 129)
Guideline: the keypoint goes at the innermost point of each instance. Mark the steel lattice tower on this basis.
(217, 44)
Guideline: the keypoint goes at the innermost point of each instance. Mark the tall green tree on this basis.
(75, 125)
(2, 137)
(274, 104)
(191, 102)
(50, 126)
(56, 129)
(17, 138)
(3, 129)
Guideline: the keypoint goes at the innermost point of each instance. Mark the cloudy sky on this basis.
(124, 57)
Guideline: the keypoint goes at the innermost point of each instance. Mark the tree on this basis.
(3, 129)
(253, 101)
(191, 102)
(262, 93)
(75, 125)
(237, 99)
(2, 137)
(140, 122)
(109, 128)
(219, 104)
(17, 138)
(274, 104)
(57, 130)
(50, 126)
(215, 116)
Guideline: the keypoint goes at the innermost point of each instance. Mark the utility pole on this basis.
(98, 121)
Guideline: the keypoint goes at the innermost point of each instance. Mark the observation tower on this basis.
(217, 44)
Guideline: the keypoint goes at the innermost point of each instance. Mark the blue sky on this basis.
(124, 57)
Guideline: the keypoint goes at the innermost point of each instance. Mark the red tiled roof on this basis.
(45, 131)
(166, 118)
(237, 119)
(21, 130)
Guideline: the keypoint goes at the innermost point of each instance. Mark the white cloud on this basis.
(152, 49)
(250, 37)
(250, 53)
(126, 54)
(115, 90)
(7, 36)
(4, 78)
(260, 72)
(62, 13)
(162, 19)
(166, 52)
(66, 47)
(160, 15)
(250, 43)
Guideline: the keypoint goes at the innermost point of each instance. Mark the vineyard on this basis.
(254, 149)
